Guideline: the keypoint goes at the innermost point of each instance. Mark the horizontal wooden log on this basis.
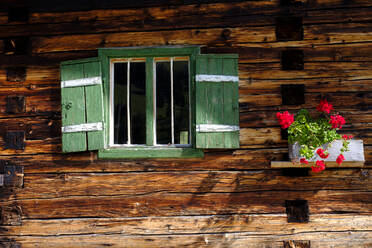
(275, 224)
(326, 52)
(268, 118)
(216, 161)
(318, 240)
(288, 164)
(38, 128)
(232, 14)
(44, 74)
(357, 52)
(249, 138)
(57, 185)
(249, 36)
(170, 204)
(341, 101)
(87, 162)
(38, 100)
(347, 70)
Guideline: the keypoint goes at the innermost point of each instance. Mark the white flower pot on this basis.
(355, 153)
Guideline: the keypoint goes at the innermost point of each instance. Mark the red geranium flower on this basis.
(340, 159)
(285, 119)
(324, 106)
(319, 166)
(321, 153)
(337, 121)
(304, 161)
(345, 137)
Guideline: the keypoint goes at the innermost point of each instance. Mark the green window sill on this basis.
(151, 152)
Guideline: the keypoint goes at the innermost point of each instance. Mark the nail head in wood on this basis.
(297, 211)
(289, 28)
(15, 104)
(292, 60)
(15, 140)
(292, 94)
(16, 46)
(296, 244)
(16, 74)
(18, 14)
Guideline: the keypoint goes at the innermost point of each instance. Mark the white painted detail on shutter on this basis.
(215, 128)
(81, 82)
(87, 127)
(216, 78)
(1, 179)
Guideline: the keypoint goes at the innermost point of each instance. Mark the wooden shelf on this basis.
(329, 164)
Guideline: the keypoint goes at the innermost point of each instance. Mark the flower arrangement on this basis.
(312, 133)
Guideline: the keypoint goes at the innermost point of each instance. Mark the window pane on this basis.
(181, 102)
(138, 102)
(120, 103)
(163, 103)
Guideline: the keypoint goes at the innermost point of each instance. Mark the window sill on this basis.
(150, 152)
(329, 164)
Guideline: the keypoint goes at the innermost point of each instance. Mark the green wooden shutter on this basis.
(217, 101)
(82, 108)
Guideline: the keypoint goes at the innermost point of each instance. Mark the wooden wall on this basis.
(230, 198)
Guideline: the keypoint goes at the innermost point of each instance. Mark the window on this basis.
(150, 102)
(170, 101)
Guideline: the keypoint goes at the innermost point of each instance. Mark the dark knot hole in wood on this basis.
(289, 28)
(15, 104)
(16, 74)
(292, 59)
(18, 14)
(297, 211)
(16, 46)
(15, 140)
(292, 94)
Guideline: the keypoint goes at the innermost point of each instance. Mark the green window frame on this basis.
(213, 94)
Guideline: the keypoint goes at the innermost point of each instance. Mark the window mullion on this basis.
(128, 102)
(150, 102)
(172, 100)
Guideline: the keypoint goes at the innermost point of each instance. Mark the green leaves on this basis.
(311, 133)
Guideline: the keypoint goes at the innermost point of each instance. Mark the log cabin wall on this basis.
(230, 198)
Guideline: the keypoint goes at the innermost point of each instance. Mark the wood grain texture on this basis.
(318, 240)
(56, 185)
(274, 224)
(229, 198)
(170, 204)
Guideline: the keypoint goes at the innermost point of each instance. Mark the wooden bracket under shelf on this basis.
(329, 164)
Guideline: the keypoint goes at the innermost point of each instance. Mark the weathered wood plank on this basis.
(249, 138)
(287, 164)
(342, 101)
(129, 184)
(249, 36)
(274, 224)
(318, 240)
(144, 19)
(35, 128)
(170, 204)
(268, 118)
(216, 161)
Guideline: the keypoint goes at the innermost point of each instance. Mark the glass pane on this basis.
(181, 102)
(120, 103)
(138, 102)
(163, 103)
